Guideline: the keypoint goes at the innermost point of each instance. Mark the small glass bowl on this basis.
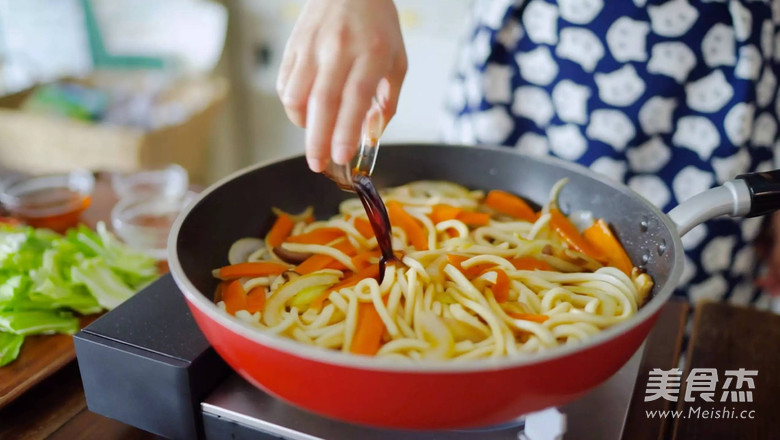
(144, 222)
(53, 201)
(169, 181)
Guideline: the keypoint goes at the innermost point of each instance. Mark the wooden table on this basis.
(724, 337)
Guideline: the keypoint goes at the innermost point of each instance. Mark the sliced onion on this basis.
(243, 248)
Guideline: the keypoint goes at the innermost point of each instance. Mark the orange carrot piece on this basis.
(318, 236)
(442, 213)
(253, 269)
(414, 231)
(568, 232)
(371, 271)
(500, 288)
(255, 299)
(368, 331)
(364, 227)
(529, 316)
(280, 230)
(510, 204)
(361, 260)
(234, 297)
(472, 218)
(529, 263)
(314, 263)
(601, 237)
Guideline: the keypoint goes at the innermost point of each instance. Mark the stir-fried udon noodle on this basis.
(479, 275)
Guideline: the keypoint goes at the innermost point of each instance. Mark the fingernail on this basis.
(316, 164)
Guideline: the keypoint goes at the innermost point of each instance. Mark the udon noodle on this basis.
(480, 275)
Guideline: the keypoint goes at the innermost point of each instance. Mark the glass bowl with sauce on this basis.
(144, 221)
(170, 181)
(53, 201)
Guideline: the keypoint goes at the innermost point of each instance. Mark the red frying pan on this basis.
(437, 395)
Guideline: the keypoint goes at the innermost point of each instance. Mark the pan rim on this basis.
(348, 360)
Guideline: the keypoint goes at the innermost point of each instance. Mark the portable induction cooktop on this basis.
(147, 364)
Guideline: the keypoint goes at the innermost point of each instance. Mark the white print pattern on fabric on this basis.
(541, 22)
(689, 182)
(496, 83)
(609, 167)
(716, 255)
(611, 127)
(672, 59)
(672, 19)
(738, 123)
(533, 144)
(533, 103)
(649, 157)
(698, 134)
(580, 11)
(669, 97)
(571, 101)
(492, 126)
(566, 141)
(626, 39)
(748, 62)
(650, 187)
(621, 87)
(581, 46)
(537, 66)
(765, 89)
(718, 46)
(727, 168)
(710, 93)
(764, 131)
(655, 116)
(712, 289)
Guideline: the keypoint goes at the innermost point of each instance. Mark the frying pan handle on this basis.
(749, 195)
(764, 192)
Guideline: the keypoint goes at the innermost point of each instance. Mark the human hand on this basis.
(341, 54)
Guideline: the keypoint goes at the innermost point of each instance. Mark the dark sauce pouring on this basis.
(377, 216)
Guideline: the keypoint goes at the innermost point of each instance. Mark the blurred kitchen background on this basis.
(119, 85)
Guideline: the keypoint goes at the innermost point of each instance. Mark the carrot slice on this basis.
(600, 236)
(368, 331)
(529, 263)
(280, 230)
(371, 271)
(414, 231)
(317, 236)
(255, 299)
(568, 232)
(364, 227)
(321, 261)
(500, 288)
(510, 204)
(472, 218)
(314, 263)
(442, 213)
(529, 316)
(234, 297)
(253, 269)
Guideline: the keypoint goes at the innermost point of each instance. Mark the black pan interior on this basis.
(242, 206)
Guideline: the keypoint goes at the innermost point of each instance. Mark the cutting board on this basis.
(40, 357)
